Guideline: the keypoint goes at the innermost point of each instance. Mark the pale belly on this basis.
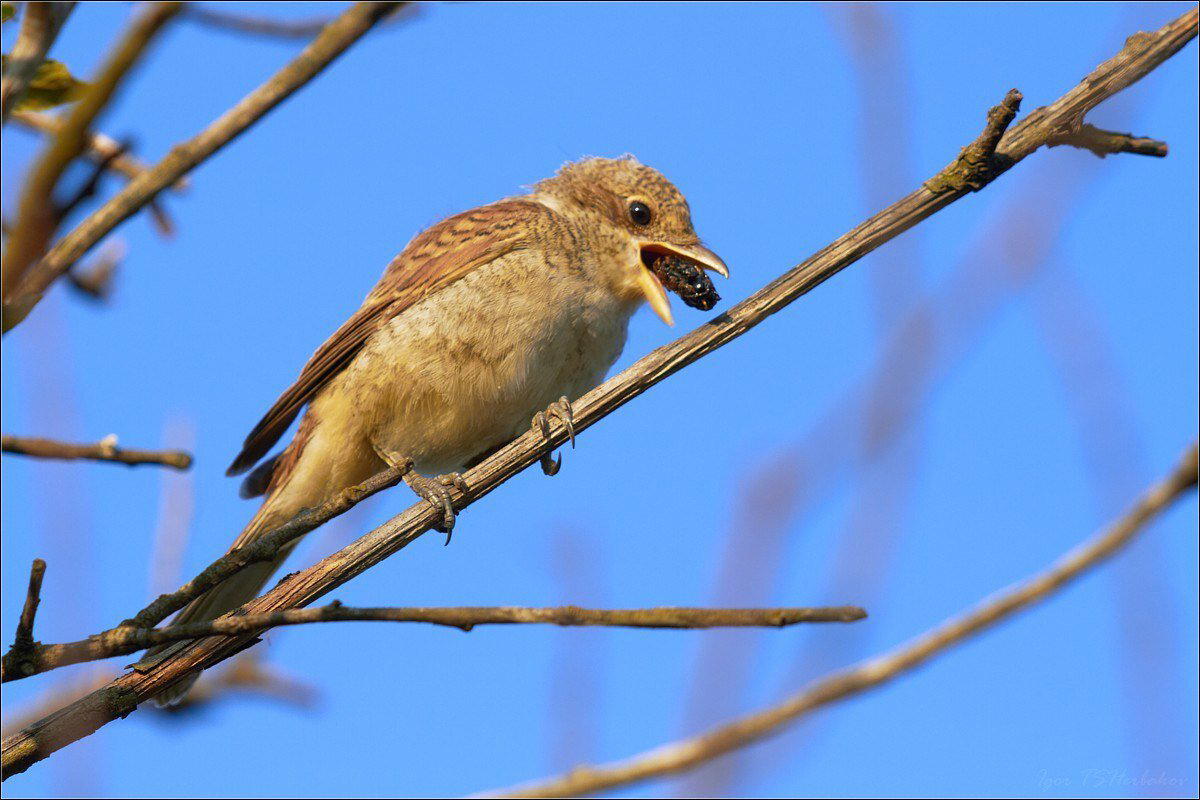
(464, 371)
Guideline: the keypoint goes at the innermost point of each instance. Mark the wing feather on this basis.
(433, 260)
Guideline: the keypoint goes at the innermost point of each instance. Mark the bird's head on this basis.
(644, 224)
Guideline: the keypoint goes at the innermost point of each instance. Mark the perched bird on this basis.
(486, 321)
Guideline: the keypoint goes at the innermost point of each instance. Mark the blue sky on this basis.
(1060, 386)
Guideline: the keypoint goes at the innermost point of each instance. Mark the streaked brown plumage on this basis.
(483, 320)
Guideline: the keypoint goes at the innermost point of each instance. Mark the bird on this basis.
(485, 323)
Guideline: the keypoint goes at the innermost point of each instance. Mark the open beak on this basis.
(652, 287)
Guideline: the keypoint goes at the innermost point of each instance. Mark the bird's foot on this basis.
(560, 408)
(437, 492)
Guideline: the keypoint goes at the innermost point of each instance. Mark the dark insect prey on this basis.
(687, 280)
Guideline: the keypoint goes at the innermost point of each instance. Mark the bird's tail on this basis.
(231, 593)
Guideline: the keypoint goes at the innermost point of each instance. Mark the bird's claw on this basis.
(436, 491)
(455, 480)
(560, 408)
(551, 464)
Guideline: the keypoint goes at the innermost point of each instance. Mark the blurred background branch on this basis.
(687, 754)
(274, 27)
(879, 416)
(25, 281)
(38, 215)
(107, 154)
(95, 279)
(101, 148)
(574, 694)
(929, 335)
(245, 676)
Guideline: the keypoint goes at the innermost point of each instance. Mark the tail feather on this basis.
(258, 482)
(231, 593)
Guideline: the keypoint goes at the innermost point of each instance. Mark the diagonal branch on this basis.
(104, 450)
(39, 28)
(24, 287)
(1141, 54)
(688, 753)
(33, 658)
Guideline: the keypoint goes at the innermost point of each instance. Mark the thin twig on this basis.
(39, 28)
(104, 450)
(20, 298)
(33, 596)
(688, 753)
(24, 650)
(1140, 56)
(34, 659)
(1104, 143)
(38, 217)
(978, 163)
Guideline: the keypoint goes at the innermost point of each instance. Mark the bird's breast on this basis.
(465, 369)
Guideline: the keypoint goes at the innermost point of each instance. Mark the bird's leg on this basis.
(435, 491)
(561, 408)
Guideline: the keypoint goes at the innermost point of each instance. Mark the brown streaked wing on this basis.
(433, 260)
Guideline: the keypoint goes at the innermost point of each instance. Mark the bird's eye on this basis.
(639, 212)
